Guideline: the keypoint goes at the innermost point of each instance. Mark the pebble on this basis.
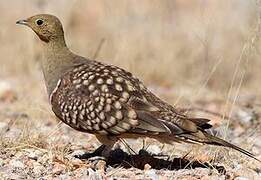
(77, 152)
(241, 178)
(13, 133)
(245, 116)
(7, 93)
(101, 165)
(34, 154)
(256, 150)
(258, 141)
(147, 167)
(2, 162)
(38, 169)
(16, 164)
(94, 175)
(152, 174)
(81, 173)
(58, 168)
(3, 127)
(76, 162)
(154, 149)
(43, 159)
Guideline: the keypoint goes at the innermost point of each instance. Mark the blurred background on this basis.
(201, 54)
(171, 43)
(185, 51)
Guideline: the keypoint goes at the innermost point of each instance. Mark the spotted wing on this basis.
(105, 99)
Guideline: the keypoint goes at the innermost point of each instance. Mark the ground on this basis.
(200, 56)
(35, 145)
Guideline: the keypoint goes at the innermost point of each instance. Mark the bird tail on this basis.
(213, 140)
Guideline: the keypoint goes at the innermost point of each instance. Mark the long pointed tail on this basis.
(220, 142)
(204, 137)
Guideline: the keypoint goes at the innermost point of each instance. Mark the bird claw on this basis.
(143, 152)
(97, 158)
(97, 153)
(85, 156)
(92, 159)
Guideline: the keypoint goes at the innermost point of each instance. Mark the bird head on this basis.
(47, 27)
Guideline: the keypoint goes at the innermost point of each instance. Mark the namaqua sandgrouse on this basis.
(106, 100)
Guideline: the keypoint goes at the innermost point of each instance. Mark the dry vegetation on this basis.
(199, 54)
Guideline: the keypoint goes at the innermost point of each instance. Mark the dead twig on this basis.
(208, 112)
(99, 48)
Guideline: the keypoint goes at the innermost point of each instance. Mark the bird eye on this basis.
(39, 22)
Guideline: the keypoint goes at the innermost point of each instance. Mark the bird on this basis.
(108, 101)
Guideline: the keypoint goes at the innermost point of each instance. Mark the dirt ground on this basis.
(201, 56)
(35, 145)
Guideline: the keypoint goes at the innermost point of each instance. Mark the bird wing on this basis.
(105, 99)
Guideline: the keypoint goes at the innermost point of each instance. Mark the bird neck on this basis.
(58, 59)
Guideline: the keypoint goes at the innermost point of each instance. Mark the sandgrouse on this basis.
(106, 100)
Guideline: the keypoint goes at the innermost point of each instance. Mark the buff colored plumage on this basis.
(106, 100)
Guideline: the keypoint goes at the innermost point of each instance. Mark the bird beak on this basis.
(22, 22)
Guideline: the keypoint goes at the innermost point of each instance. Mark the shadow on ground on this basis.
(121, 158)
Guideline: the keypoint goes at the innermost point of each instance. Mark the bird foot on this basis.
(97, 158)
(97, 153)
(143, 152)
(92, 159)
(85, 156)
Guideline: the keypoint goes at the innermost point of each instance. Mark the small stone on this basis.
(101, 166)
(154, 149)
(258, 142)
(58, 168)
(43, 159)
(34, 154)
(152, 174)
(81, 173)
(147, 167)
(77, 152)
(38, 169)
(256, 150)
(3, 127)
(13, 133)
(94, 174)
(7, 93)
(241, 178)
(245, 115)
(16, 164)
(2, 162)
(76, 162)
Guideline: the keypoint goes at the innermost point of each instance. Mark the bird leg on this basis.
(144, 152)
(101, 151)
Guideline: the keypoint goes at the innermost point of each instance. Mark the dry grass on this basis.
(187, 39)
(203, 53)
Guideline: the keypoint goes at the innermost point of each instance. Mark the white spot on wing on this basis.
(55, 89)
